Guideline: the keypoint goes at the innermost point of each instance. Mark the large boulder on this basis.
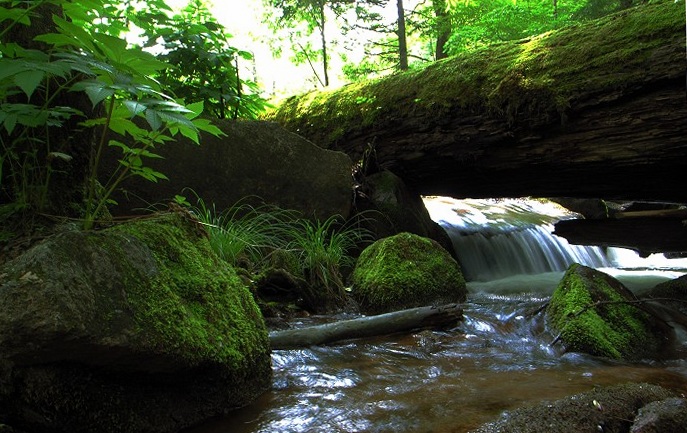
(137, 328)
(405, 271)
(609, 410)
(255, 160)
(592, 312)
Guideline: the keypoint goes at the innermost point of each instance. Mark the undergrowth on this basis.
(247, 236)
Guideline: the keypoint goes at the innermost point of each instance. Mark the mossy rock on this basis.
(592, 312)
(137, 328)
(405, 271)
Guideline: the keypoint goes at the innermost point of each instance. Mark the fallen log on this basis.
(397, 321)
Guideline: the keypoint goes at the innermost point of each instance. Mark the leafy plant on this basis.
(247, 236)
(117, 80)
(206, 67)
(244, 234)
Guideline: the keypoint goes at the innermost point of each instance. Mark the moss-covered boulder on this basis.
(405, 271)
(137, 328)
(592, 312)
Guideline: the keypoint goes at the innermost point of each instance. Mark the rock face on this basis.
(259, 159)
(405, 271)
(594, 313)
(137, 328)
(609, 410)
(396, 209)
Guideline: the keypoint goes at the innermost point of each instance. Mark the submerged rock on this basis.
(594, 313)
(137, 328)
(405, 271)
(608, 410)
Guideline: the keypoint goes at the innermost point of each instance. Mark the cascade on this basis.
(500, 238)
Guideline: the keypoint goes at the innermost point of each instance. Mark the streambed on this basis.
(454, 380)
(444, 381)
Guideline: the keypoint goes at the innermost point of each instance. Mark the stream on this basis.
(498, 358)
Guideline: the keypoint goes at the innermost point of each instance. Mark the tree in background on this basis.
(292, 15)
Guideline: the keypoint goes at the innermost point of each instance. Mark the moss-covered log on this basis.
(593, 110)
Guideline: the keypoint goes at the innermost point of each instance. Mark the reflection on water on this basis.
(454, 380)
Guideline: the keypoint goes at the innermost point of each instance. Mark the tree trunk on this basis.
(398, 321)
(402, 44)
(443, 28)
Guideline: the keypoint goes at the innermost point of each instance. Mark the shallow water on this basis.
(438, 381)
(498, 358)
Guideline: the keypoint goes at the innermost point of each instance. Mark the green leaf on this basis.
(134, 107)
(196, 109)
(190, 133)
(28, 81)
(96, 90)
(153, 119)
(10, 122)
(207, 126)
(115, 143)
(15, 14)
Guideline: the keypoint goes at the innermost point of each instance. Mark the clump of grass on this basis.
(247, 236)
(324, 250)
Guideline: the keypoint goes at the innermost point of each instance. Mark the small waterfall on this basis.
(499, 238)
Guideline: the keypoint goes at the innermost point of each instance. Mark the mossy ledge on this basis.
(538, 79)
(614, 328)
(405, 271)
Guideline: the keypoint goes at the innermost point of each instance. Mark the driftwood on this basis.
(398, 321)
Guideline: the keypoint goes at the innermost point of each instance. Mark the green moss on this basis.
(196, 305)
(611, 330)
(541, 76)
(405, 271)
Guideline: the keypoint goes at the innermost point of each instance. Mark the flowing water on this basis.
(498, 358)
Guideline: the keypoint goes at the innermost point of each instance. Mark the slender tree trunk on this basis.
(402, 44)
(443, 28)
(325, 60)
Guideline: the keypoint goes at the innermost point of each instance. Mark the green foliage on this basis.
(206, 67)
(245, 235)
(248, 236)
(117, 79)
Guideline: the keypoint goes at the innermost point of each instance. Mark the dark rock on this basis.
(669, 415)
(137, 328)
(390, 207)
(608, 410)
(255, 162)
